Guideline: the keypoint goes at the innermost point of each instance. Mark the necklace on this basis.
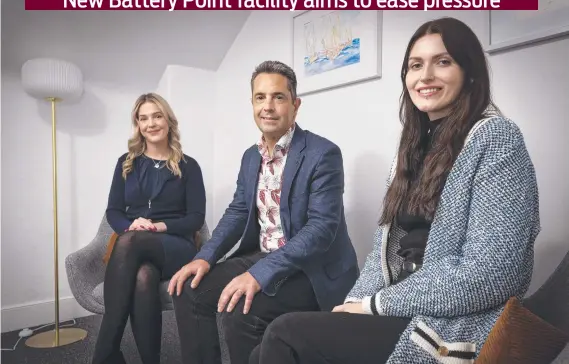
(156, 163)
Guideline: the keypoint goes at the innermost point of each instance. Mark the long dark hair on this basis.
(473, 103)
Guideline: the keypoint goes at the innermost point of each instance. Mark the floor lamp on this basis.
(53, 80)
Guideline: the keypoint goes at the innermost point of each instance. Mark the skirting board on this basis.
(40, 313)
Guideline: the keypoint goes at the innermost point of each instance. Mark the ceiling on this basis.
(119, 47)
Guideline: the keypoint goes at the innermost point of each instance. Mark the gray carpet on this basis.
(81, 352)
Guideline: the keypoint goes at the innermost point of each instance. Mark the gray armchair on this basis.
(86, 273)
(551, 303)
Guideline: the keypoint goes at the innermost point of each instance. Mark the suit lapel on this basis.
(293, 161)
(253, 175)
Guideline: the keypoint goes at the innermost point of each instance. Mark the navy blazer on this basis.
(180, 204)
(312, 217)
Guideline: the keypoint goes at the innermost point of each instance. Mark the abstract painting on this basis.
(332, 48)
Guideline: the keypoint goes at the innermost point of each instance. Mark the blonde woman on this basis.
(156, 204)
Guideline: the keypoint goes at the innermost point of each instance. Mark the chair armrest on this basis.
(202, 236)
(86, 270)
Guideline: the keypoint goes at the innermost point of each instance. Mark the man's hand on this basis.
(142, 224)
(198, 268)
(352, 307)
(244, 284)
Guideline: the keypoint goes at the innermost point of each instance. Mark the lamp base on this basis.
(47, 339)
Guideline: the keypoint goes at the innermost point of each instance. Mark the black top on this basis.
(413, 244)
(157, 194)
(153, 174)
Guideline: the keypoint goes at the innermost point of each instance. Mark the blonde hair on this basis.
(137, 144)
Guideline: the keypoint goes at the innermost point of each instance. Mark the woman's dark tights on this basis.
(131, 288)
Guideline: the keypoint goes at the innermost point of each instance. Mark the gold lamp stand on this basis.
(58, 336)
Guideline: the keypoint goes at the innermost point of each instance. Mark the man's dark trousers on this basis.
(196, 312)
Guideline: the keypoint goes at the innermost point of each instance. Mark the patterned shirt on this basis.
(269, 192)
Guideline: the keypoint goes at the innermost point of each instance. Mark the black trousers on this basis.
(329, 338)
(196, 312)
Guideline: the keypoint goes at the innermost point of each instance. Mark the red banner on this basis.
(171, 5)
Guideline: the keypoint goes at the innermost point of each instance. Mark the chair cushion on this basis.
(521, 337)
(165, 298)
(98, 294)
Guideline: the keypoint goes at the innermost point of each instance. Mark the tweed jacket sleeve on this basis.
(484, 268)
(370, 280)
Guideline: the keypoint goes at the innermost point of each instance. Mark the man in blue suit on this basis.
(288, 214)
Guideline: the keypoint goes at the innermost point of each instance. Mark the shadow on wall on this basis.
(83, 117)
(370, 173)
(548, 255)
(73, 223)
(226, 191)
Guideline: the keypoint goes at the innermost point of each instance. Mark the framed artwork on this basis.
(333, 48)
(509, 29)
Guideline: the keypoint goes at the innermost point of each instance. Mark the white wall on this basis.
(191, 94)
(216, 123)
(121, 47)
(529, 85)
(542, 115)
(91, 135)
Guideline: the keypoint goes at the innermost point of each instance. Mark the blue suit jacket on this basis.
(312, 217)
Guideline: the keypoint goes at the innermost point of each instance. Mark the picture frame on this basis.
(335, 48)
(514, 29)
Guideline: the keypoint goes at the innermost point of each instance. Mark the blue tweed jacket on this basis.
(479, 252)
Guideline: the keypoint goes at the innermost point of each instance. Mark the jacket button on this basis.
(443, 350)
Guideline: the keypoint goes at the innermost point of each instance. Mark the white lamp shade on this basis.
(48, 77)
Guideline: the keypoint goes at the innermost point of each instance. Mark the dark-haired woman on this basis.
(456, 236)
